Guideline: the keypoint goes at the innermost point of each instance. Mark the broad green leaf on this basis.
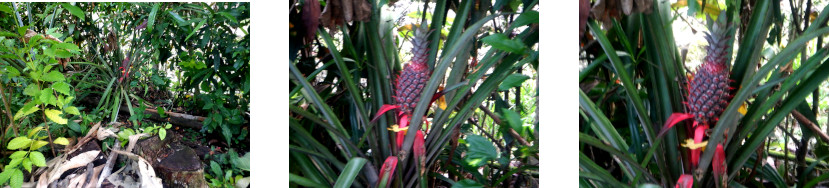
(74, 126)
(16, 179)
(22, 30)
(8, 10)
(215, 168)
(196, 29)
(229, 17)
(61, 87)
(226, 132)
(19, 142)
(27, 109)
(74, 10)
(153, 13)
(12, 71)
(47, 96)
(72, 110)
(513, 80)
(38, 144)
(34, 131)
(241, 162)
(54, 115)
(31, 90)
(513, 119)
(37, 158)
(5, 175)
(162, 133)
(179, 21)
(14, 163)
(467, 183)
(160, 112)
(501, 42)
(53, 76)
(526, 18)
(18, 154)
(61, 141)
(67, 46)
(480, 150)
(27, 164)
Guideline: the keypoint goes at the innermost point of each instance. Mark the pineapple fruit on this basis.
(708, 94)
(409, 85)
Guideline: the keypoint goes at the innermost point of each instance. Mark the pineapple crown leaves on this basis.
(719, 42)
(420, 44)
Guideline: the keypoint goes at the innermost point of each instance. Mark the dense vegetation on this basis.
(482, 58)
(636, 81)
(65, 67)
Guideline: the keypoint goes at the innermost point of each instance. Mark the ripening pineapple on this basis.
(415, 74)
(708, 89)
(409, 84)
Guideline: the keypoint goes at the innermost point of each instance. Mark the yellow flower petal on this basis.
(689, 143)
(396, 128)
(743, 109)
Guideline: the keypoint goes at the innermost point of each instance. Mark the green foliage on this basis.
(235, 169)
(331, 106)
(480, 151)
(621, 86)
(27, 154)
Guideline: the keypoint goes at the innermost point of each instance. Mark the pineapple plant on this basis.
(708, 92)
(409, 84)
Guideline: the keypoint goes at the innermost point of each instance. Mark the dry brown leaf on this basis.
(147, 175)
(77, 181)
(362, 10)
(311, 18)
(607, 10)
(78, 161)
(133, 140)
(348, 11)
(337, 12)
(42, 181)
(584, 11)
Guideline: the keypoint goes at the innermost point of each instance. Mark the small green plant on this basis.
(26, 156)
(124, 135)
(227, 120)
(138, 115)
(160, 130)
(219, 178)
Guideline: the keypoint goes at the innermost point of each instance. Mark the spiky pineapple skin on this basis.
(409, 86)
(414, 75)
(709, 90)
(708, 93)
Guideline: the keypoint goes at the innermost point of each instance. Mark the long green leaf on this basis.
(622, 157)
(303, 181)
(352, 169)
(434, 81)
(795, 97)
(729, 117)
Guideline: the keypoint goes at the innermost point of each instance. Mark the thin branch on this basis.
(811, 125)
(512, 132)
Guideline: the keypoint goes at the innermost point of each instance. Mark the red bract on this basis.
(387, 171)
(685, 181)
(699, 132)
(719, 161)
(419, 149)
